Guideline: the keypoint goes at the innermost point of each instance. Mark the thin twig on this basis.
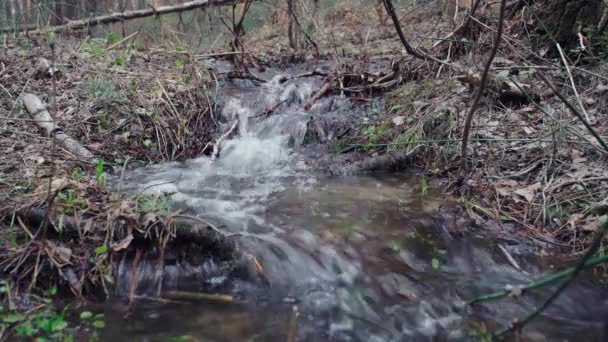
(547, 280)
(597, 241)
(573, 110)
(482, 86)
(218, 143)
(578, 98)
(390, 9)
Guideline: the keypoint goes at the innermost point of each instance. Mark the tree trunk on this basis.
(566, 18)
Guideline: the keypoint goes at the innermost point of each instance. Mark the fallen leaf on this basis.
(94, 147)
(529, 131)
(528, 192)
(148, 219)
(514, 291)
(398, 120)
(61, 255)
(123, 244)
(601, 88)
(405, 293)
(505, 187)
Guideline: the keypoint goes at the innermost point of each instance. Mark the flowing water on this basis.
(360, 258)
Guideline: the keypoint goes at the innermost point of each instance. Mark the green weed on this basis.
(78, 174)
(23, 186)
(339, 144)
(153, 203)
(100, 177)
(424, 187)
(68, 198)
(104, 93)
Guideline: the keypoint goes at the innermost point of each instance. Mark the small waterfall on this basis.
(365, 258)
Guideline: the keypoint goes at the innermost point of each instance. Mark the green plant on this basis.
(68, 198)
(339, 144)
(424, 187)
(598, 41)
(100, 178)
(47, 324)
(23, 186)
(103, 92)
(479, 332)
(93, 47)
(17, 107)
(78, 174)
(153, 203)
(112, 37)
(435, 263)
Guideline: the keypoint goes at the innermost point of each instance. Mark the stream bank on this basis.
(264, 186)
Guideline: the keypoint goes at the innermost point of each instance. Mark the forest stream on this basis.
(350, 258)
(287, 236)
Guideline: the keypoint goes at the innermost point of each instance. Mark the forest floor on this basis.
(534, 170)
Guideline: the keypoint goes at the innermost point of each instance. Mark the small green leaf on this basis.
(147, 142)
(179, 63)
(99, 324)
(435, 263)
(112, 37)
(86, 315)
(163, 46)
(101, 250)
(396, 108)
(58, 324)
(53, 290)
(26, 329)
(12, 318)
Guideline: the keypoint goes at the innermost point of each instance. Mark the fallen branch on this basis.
(286, 78)
(119, 17)
(218, 143)
(391, 161)
(326, 86)
(244, 76)
(44, 120)
(496, 85)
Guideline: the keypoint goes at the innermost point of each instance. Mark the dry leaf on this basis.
(123, 244)
(95, 147)
(529, 191)
(148, 219)
(529, 131)
(398, 120)
(61, 255)
(405, 293)
(505, 187)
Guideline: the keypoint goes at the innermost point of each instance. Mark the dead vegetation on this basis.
(535, 165)
(127, 107)
(534, 168)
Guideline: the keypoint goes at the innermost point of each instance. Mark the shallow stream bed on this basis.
(351, 258)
